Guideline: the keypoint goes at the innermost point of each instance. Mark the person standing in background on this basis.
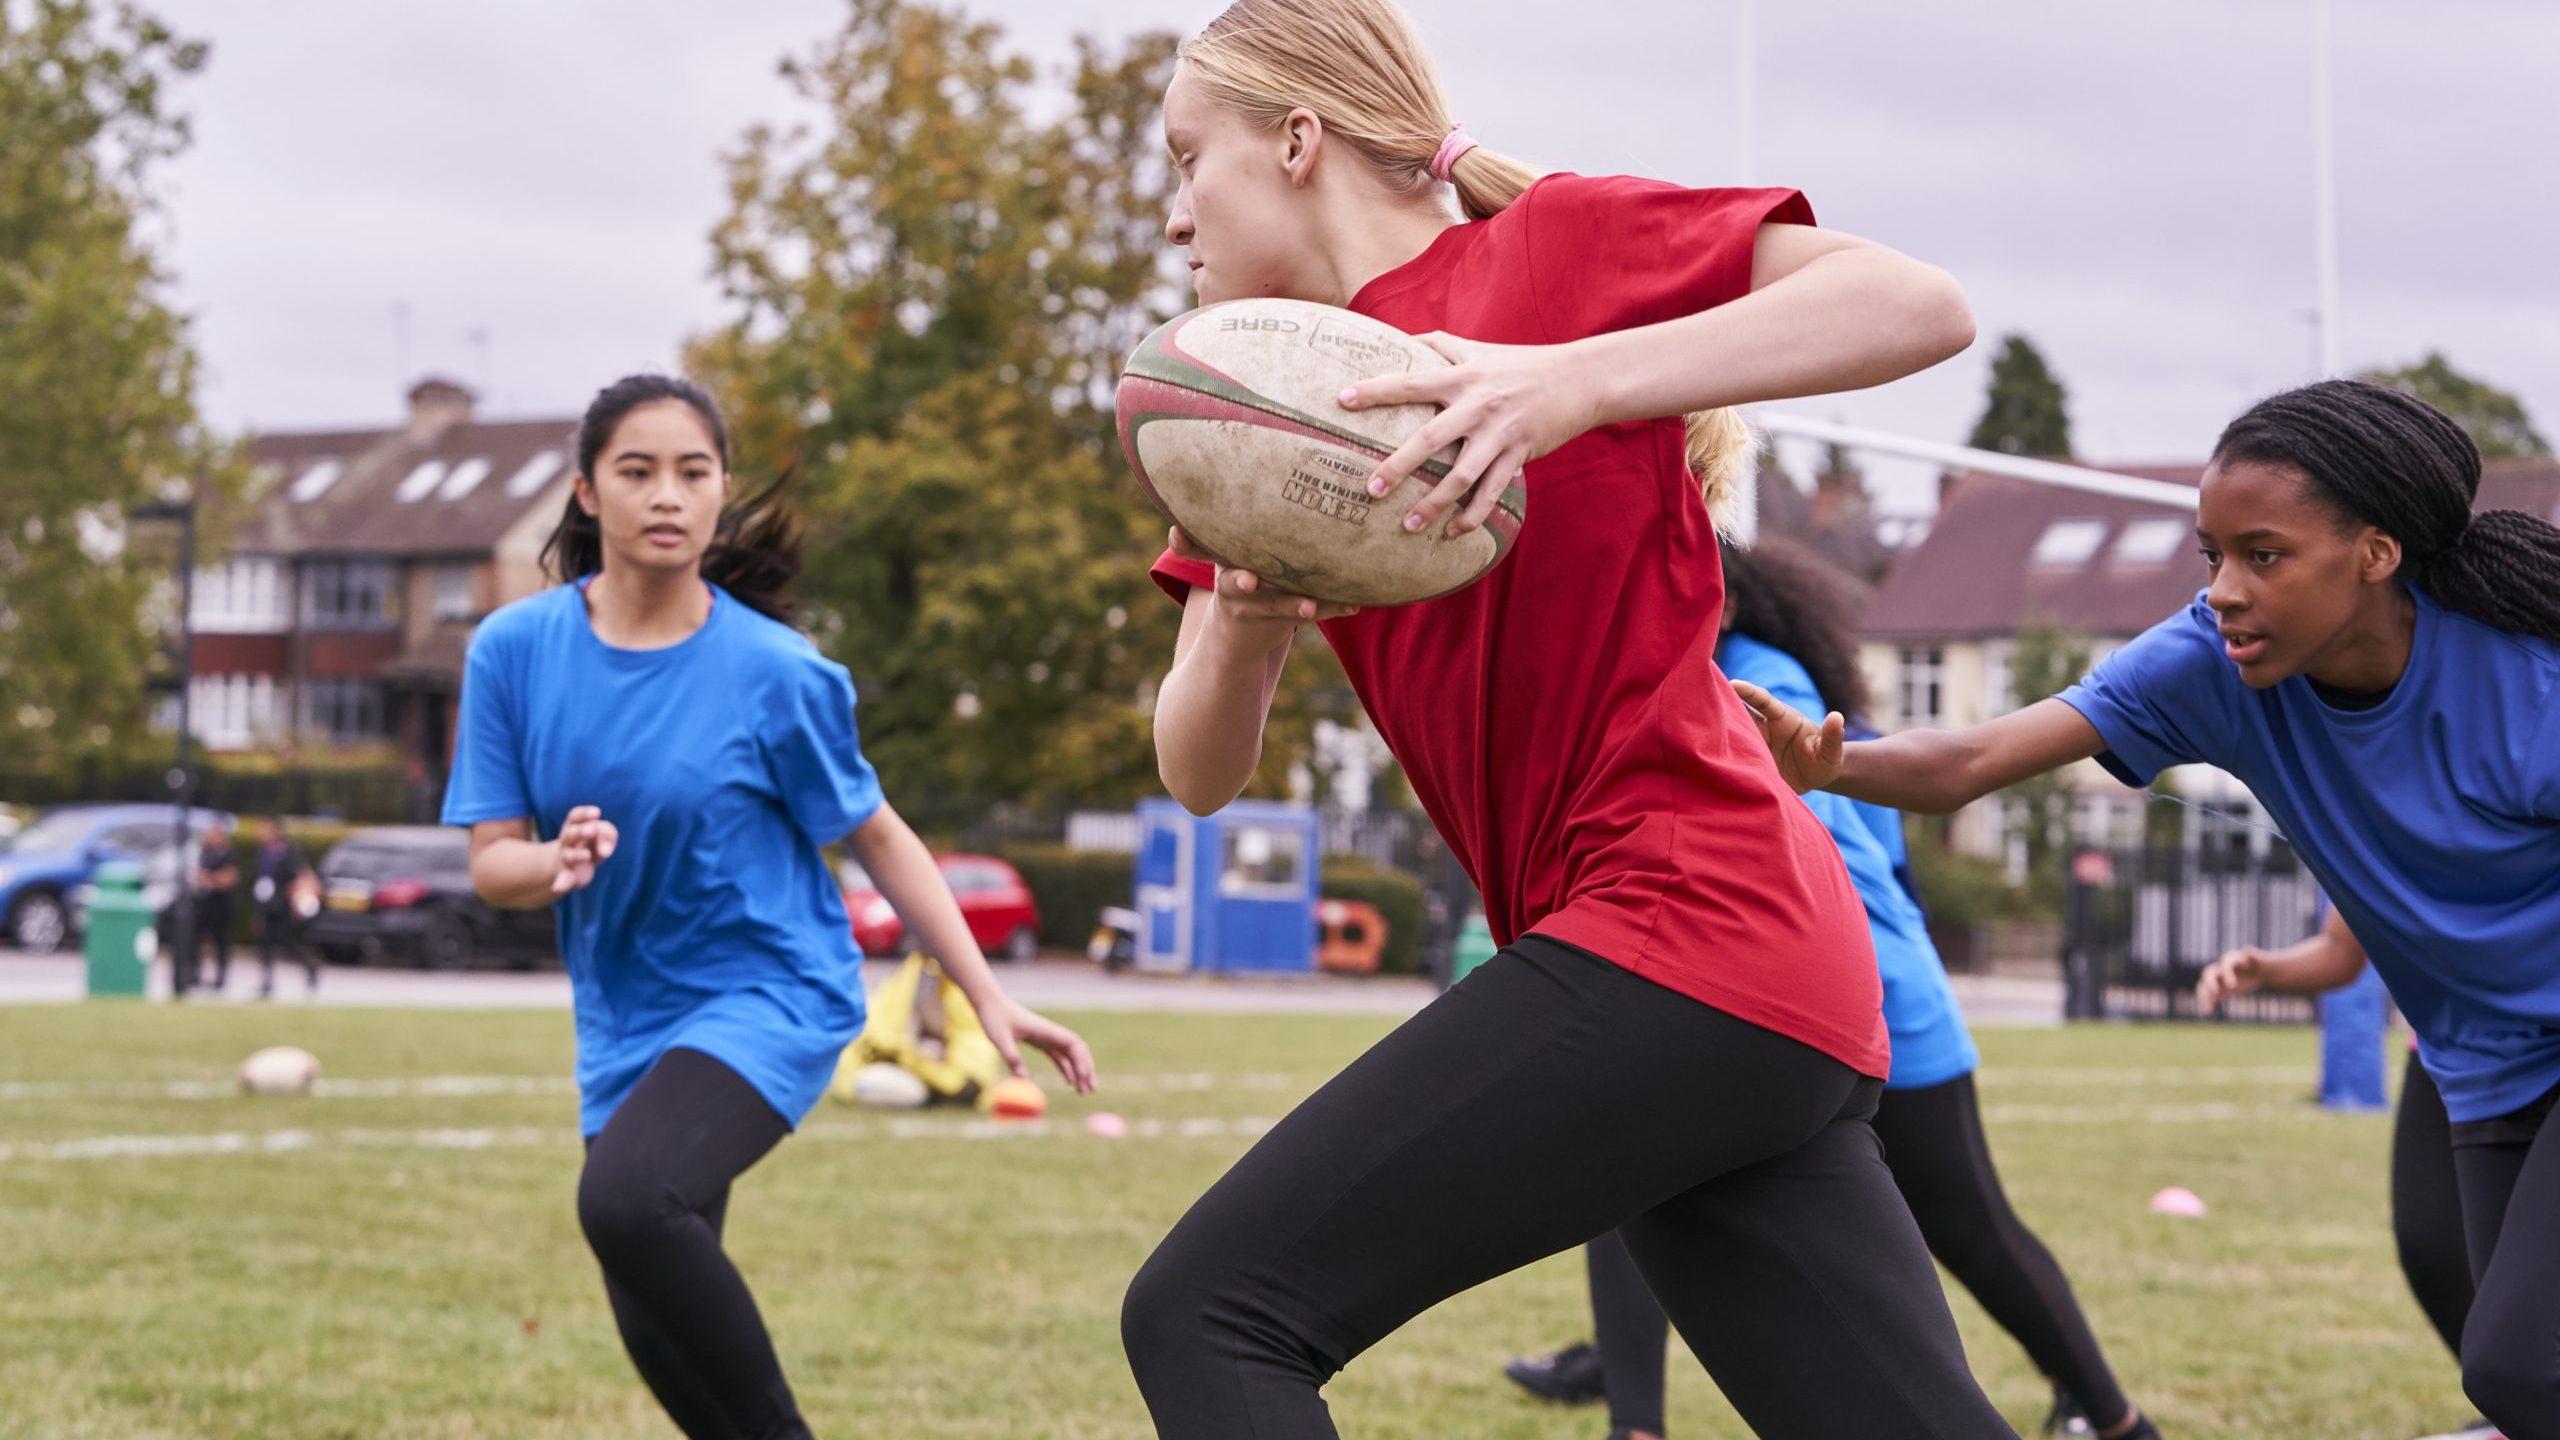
(277, 871)
(217, 874)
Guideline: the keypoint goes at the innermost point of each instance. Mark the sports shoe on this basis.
(1571, 1376)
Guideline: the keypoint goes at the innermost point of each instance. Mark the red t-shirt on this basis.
(1563, 720)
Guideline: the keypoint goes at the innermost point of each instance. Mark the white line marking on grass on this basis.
(403, 1087)
(283, 1142)
(1178, 1080)
(270, 1142)
(965, 1128)
(2129, 1076)
(2199, 1112)
(983, 1129)
(412, 1087)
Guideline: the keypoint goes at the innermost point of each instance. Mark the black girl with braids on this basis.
(2382, 667)
(2385, 460)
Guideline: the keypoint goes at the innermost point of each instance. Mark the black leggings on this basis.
(1547, 1099)
(2426, 1207)
(651, 1199)
(2509, 1172)
(1933, 1144)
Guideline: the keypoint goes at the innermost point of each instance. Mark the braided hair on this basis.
(2383, 459)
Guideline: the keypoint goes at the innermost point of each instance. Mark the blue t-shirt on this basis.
(2432, 820)
(1930, 1043)
(725, 760)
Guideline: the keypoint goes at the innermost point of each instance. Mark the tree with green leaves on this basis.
(2493, 418)
(98, 371)
(935, 287)
(2026, 411)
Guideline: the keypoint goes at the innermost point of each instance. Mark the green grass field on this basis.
(380, 1261)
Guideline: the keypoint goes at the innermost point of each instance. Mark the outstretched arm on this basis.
(1929, 772)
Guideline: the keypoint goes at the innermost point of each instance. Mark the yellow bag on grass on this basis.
(921, 1023)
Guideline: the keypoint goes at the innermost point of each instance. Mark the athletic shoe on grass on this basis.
(1571, 1376)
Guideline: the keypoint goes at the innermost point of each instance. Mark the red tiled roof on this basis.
(1972, 576)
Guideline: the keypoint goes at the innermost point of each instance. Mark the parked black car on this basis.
(403, 892)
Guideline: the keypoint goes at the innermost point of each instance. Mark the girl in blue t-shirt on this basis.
(688, 753)
(2382, 668)
(1790, 629)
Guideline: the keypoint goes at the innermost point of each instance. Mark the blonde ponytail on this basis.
(1722, 452)
(1361, 67)
(1487, 182)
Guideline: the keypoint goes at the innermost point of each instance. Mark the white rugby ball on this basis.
(279, 1070)
(1230, 415)
(883, 1086)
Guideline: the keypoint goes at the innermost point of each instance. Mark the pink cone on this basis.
(2180, 1201)
(1106, 1125)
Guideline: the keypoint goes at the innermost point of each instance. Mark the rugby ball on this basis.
(1230, 415)
(279, 1070)
(883, 1086)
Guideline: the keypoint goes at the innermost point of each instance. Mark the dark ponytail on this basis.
(755, 552)
(2387, 460)
(1785, 598)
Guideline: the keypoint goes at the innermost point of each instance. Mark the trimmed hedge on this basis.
(1071, 887)
(1398, 897)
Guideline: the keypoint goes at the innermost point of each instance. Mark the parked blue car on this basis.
(57, 854)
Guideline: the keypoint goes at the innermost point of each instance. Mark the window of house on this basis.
(418, 483)
(232, 711)
(466, 477)
(1921, 681)
(315, 482)
(343, 709)
(242, 594)
(347, 595)
(1999, 677)
(2066, 543)
(535, 474)
(2152, 542)
(455, 599)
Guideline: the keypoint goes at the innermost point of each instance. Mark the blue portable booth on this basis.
(1230, 893)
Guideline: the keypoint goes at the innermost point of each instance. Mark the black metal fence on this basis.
(2141, 925)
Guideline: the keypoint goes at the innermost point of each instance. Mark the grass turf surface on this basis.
(380, 1262)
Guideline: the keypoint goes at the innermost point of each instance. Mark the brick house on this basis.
(348, 591)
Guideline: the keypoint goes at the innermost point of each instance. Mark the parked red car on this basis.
(1002, 917)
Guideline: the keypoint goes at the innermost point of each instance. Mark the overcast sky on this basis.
(2130, 184)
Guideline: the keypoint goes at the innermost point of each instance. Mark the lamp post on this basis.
(182, 943)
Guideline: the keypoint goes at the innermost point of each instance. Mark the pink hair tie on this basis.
(1458, 142)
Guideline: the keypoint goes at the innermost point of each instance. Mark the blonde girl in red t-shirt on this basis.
(1681, 1038)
